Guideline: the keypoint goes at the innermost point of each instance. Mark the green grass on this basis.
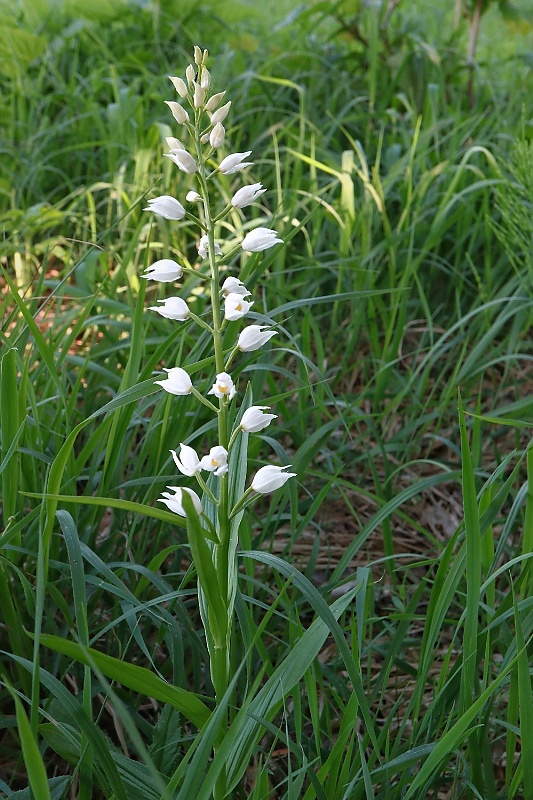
(384, 605)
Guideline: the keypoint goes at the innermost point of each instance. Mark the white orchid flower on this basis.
(253, 337)
(183, 160)
(178, 381)
(260, 239)
(234, 286)
(187, 462)
(216, 461)
(236, 307)
(254, 419)
(174, 501)
(246, 196)
(166, 206)
(203, 247)
(172, 308)
(165, 270)
(234, 162)
(269, 478)
(223, 387)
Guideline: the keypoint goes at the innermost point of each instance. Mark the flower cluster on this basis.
(201, 114)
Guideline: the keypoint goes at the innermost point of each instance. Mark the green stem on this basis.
(220, 660)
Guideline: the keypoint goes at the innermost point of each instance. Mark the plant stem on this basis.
(220, 657)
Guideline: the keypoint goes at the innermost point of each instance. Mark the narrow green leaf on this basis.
(473, 566)
(33, 761)
(72, 541)
(71, 705)
(207, 576)
(525, 698)
(10, 428)
(42, 346)
(139, 679)
(113, 502)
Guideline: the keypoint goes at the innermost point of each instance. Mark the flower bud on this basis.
(223, 387)
(246, 196)
(197, 55)
(183, 160)
(175, 502)
(193, 197)
(204, 138)
(164, 270)
(213, 101)
(179, 85)
(216, 137)
(269, 478)
(234, 162)
(260, 239)
(234, 286)
(190, 74)
(199, 95)
(187, 462)
(166, 206)
(220, 114)
(216, 461)
(178, 381)
(254, 419)
(205, 80)
(236, 307)
(253, 337)
(172, 308)
(178, 112)
(174, 144)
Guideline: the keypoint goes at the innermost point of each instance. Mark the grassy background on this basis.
(405, 204)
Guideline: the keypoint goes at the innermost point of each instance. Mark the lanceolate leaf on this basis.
(139, 679)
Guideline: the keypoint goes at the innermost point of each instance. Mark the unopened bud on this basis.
(205, 80)
(221, 113)
(216, 137)
(213, 101)
(204, 138)
(190, 74)
(204, 58)
(197, 55)
(179, 113)
(179, 85)
(174, 144)
(199, 96)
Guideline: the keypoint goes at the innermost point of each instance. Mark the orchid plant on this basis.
(213, 518)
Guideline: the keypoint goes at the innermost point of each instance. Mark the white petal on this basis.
(269, 478)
